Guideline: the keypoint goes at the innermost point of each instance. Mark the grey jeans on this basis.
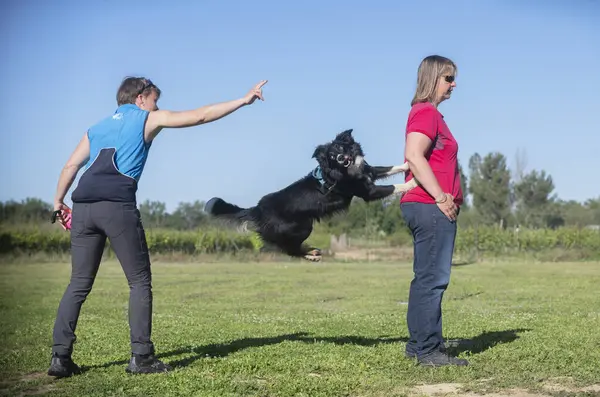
(91, 225)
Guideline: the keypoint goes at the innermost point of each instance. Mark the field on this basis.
(303, 329)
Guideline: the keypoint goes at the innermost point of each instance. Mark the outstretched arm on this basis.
(159, 119)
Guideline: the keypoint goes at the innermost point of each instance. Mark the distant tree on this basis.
(533, 198)
(154, 213)
(29, 210)
(189, 216)
(464, 186)
(593, 206)
(489, 185)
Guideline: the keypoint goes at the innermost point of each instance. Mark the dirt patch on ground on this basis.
(567, 384)
(37, 391)
(456, 389)
(40, 383)
(551, 387)
(375, 254)
(438, 389)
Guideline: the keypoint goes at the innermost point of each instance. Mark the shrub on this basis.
(482, 240)
(159, 241)
(497, 241)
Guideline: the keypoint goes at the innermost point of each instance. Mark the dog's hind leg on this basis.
(302, 251)
(309, 253)
(291, 239)
(313, 255)
(246, 227)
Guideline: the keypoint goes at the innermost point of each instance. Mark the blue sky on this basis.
(528, 80)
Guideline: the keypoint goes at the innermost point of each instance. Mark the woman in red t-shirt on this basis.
(430, 209)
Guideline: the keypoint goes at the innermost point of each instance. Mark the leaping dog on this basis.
(285, 218)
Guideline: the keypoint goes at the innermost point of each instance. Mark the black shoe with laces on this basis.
(147, 364)
(62, 366)
(438, 359)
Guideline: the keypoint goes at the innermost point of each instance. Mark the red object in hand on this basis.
(67, 217)
(65, 214)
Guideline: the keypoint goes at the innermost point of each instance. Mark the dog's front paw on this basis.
(405, 187)
(403, 168)
(396, 169)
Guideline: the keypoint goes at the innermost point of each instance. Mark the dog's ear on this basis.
(345, 136)
(320, 154)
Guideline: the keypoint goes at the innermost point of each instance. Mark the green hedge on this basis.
(495, 241)
(162, 241)
(483, 239)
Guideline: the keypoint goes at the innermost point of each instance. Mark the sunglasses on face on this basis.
(148, 84)
(449, 79)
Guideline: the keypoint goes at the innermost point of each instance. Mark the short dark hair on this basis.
(131, 87)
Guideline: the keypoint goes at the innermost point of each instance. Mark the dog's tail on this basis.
(220, 209)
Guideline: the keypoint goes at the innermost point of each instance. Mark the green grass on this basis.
(304, 329)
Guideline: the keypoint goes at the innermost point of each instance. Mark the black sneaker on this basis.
(62, 366)
(411, 354)
(146, 365)
(438, 359)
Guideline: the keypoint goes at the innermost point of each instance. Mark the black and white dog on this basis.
(285, 218)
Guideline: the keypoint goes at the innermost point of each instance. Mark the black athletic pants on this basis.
(92, 224)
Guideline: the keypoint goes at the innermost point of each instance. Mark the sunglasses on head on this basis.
(147, 84)
(449, 79)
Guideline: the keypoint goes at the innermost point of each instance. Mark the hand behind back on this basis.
(447, 206)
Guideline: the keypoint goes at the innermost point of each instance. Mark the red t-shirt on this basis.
(442, 157)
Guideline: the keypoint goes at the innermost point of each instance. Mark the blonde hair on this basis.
(430, 70)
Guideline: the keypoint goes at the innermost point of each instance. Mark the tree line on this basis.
(497, 196)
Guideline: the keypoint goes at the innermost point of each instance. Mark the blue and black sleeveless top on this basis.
(118, 153)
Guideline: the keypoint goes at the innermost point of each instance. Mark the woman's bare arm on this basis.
(417, 145)
(160, 119)
(78, 158)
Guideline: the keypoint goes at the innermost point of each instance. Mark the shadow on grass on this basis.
(224, 349)
(483, 342)
(475, 345)
(465, 262)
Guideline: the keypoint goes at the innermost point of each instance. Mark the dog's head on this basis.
(341, 157)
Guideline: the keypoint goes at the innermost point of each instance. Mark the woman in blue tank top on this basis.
(114, 153)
